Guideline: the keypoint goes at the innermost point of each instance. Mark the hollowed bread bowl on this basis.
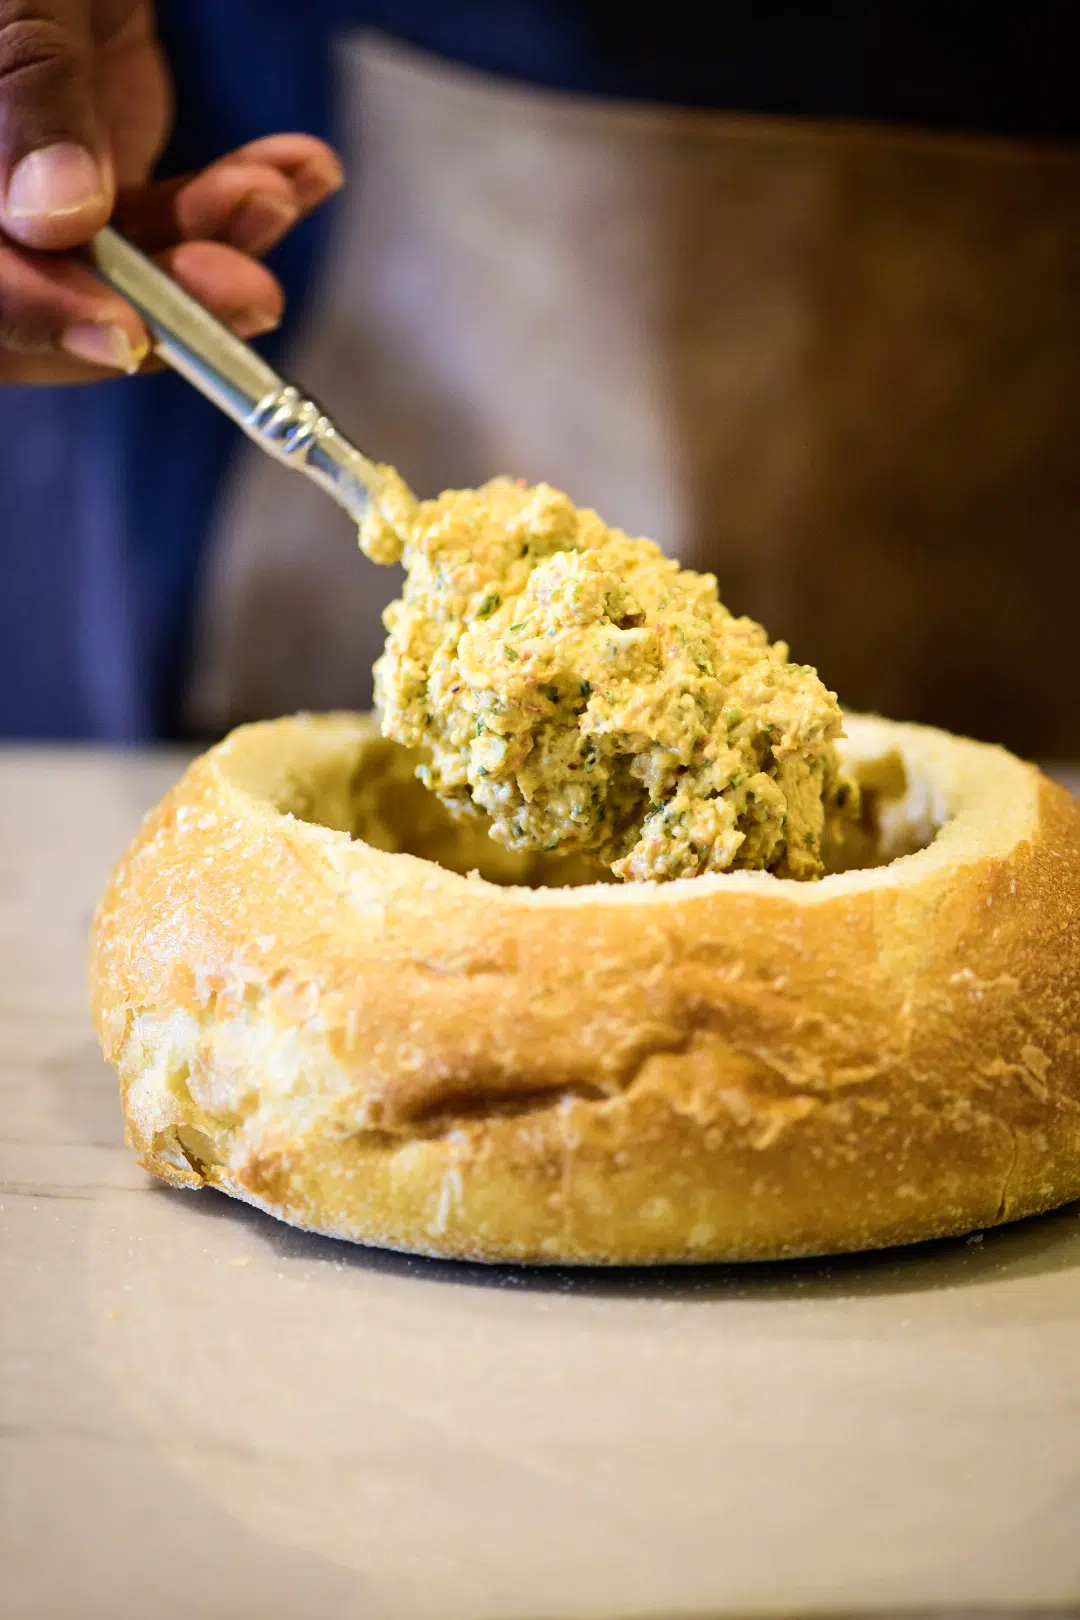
(325, 997)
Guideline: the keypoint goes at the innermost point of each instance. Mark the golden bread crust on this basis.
(729, 1068)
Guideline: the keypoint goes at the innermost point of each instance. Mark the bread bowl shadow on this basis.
(1041, 1246)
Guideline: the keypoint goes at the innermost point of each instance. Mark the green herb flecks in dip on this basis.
(586, 694)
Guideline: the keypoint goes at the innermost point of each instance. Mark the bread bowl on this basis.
(314, 1007)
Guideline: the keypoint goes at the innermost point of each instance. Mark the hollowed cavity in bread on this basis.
(367, 787)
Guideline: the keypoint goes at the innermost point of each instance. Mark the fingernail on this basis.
(100, 345)
(318, 179)
(261, 221)
(60, 179)
(254, 323)
(329, 173)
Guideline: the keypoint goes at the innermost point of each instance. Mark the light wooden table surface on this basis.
(205, 1414)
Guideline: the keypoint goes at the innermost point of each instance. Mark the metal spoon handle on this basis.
(277, 416)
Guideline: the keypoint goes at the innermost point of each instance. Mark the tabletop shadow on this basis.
(1038, 1246)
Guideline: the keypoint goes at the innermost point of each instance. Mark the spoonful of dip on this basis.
(573, 686)
(586, 694)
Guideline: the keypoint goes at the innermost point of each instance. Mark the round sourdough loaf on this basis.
(328, 999)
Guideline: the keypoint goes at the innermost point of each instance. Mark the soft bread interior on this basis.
(338, 773)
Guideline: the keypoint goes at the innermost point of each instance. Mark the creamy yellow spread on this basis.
(586, 694)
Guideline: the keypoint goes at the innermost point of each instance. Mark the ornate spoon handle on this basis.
(234, 377)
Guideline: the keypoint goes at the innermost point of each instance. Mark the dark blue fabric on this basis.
(107, 494)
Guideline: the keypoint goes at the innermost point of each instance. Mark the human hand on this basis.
(85, 107)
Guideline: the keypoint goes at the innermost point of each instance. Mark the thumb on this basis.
(56, 181)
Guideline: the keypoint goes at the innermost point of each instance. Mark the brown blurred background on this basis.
(793, 289)
(839, 365)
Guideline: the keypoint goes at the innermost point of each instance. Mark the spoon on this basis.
(276, 415)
